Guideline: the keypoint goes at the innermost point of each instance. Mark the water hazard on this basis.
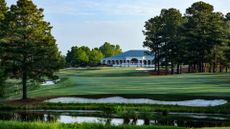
(94, 116)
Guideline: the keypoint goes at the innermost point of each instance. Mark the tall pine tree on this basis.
(3, 11)
(153, 39)
(28, 43)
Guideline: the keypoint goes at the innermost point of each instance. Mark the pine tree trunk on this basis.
(166, 67)
(214, 68)
(194, 68)
(203, 67)
(210, 68)
(24, 79)
(155, 62)
(158, 66)
(220, 68)
(178, 69)
(172, 69)
(24, 86)
(189, 68)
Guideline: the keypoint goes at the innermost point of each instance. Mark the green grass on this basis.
(130, 81)
(40, 125)
(126, 82)
(217, 128)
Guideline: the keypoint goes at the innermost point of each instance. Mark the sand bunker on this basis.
(50, 82)
(121, 100)
(46, 83)
(144, 69)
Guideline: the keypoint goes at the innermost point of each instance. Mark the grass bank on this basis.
(40, 125)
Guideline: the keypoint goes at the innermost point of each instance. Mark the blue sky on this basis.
(93, 22)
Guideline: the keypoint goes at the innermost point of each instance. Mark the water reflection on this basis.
(28, 116)
(185, 120)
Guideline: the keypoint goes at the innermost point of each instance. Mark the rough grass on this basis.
(40, 125)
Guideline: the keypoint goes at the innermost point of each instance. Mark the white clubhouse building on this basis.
(132, 58)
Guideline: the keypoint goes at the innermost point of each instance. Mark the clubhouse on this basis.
(132, 58)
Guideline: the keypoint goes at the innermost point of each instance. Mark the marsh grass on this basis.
(41, 125)
(132, 107)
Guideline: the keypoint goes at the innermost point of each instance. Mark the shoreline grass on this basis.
(42, 125)
(112, 107)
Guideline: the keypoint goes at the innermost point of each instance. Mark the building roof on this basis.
(131, 53)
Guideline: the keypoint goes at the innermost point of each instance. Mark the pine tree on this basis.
(28, 43)
(3, 11)
(153, 39)
(204, 36)
(171, 22)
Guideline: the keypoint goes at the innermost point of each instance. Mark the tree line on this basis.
(83, 56)
(199, 39)
(28, 51)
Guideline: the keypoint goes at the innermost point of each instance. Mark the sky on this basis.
(93, 22)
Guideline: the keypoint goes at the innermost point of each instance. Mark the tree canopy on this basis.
(95, 57)
(83, 56)
(199, 39)
(109, 50)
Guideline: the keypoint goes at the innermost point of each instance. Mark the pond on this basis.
(121, 100)
(94, 116)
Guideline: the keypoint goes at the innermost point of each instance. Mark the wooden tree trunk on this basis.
(178, 69)
(24, 86)
(166, 66)
(189, 68)
(172, 68)
(158, 67)
(221, 68)
(210, 68)
(155, 62)
(24, 79)
(214, 68)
